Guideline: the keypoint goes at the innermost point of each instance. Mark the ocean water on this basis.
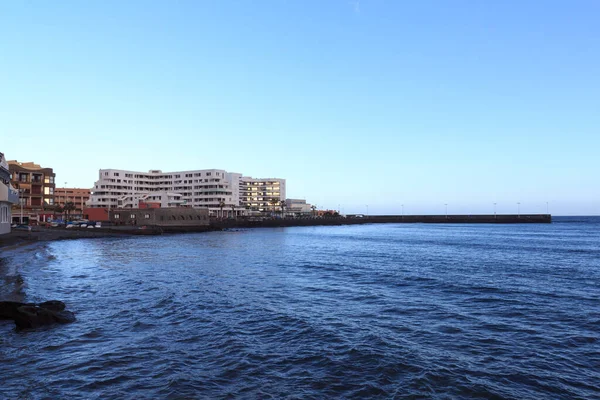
(371, 311)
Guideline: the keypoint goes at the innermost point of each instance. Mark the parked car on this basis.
(90, 226)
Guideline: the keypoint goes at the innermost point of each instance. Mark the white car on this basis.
(84, 225)
(90, 226)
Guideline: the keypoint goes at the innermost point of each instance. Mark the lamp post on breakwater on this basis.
(446, 204)
(547, 209)
(494, 210)
(402, 212)
(519, 210)
(367, 210)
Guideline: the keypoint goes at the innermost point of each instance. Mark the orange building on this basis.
(75, 195)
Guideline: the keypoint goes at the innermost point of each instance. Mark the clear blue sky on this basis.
(371, 102)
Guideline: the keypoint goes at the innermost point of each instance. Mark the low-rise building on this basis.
(36, 190)
(162, 217)
(297, 207)
(8, 197)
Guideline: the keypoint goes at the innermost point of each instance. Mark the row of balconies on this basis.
(245, 183)
(260, 189)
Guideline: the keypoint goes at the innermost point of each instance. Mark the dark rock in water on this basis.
(30, 315)
(53, 305)
(64, 317)
(8, 309)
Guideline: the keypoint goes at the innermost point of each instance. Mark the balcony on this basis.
(4, 174)
(7, 193)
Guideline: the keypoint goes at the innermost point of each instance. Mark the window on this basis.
(147, 216)
(117, 216)
(132, 216)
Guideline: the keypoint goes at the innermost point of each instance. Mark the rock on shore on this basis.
(31, 315)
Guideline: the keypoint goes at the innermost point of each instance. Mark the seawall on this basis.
(386, 219)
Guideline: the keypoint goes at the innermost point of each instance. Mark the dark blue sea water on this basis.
(389, 311)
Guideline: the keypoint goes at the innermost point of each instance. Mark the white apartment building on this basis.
(8, 197)
(261, 194)
(215, 189)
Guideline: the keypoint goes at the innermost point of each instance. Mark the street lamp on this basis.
(367, 210)
(402, 211)
(547, 209)
(518, 210)
(446, 210)
(21, 191)
(494, 210)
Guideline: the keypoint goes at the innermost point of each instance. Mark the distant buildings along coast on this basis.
(28, 195)
(224, 194)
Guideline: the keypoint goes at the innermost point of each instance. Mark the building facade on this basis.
(262, 194)
(298, 207)
(215, 189)
(8, 197)
(36, 190)
(163, 217)
(77, 196)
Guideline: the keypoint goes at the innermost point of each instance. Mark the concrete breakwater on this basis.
(386, 219)
(218, 224)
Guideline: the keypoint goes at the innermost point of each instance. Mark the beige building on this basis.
(75, 195)
(297, 207)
